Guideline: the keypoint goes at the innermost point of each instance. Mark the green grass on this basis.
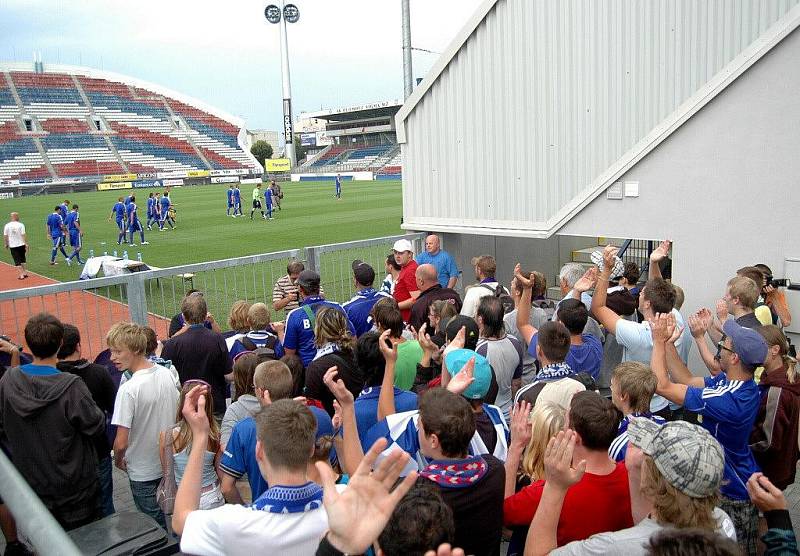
(310, 216)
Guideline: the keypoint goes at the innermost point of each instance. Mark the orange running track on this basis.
(93, 314)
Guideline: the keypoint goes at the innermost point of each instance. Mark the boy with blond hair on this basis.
(146, 405)
(632, 387)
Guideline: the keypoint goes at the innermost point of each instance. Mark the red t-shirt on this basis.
(406, 283)
(598, 503)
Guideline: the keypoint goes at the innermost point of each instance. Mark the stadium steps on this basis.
(107, 139)
(310, 162)
(188, 137)
(36, 141)
(379, 163)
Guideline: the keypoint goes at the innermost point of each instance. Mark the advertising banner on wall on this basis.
(224, 172)
(165, 175)
(109, 186)
(147, 183)
(308, 139)
(146, 175)
(7, 195)
(172, 182)
(198, 173)
(225, 179)
(250, 181)
(119, 177)
(279, 165)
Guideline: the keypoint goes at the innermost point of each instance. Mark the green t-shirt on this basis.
(256, 193)
(409, 353)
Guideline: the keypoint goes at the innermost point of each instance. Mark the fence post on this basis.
(137, 299)
(312, 259)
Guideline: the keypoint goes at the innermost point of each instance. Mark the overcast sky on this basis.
(343, 52)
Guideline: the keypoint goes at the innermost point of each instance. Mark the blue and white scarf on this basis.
(290, 500)
(554, 371)
(326, 349)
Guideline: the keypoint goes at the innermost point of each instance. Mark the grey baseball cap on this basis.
(688, 457)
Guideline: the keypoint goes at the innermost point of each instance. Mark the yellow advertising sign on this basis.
(119, 177)
(114, 185)
(279, 165)
(198, 173)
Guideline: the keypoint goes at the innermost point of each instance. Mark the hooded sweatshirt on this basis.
(49, 419)
(774, 439)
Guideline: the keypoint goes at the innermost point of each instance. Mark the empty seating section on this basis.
(138, 123)
(359, 158)
(394, 166)
(330, 157)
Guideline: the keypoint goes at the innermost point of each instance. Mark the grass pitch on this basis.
(310, 215)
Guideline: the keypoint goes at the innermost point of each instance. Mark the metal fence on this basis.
(153, 297)
(637, 251)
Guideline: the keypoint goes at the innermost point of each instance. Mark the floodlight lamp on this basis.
(291, 13)
(272, 13)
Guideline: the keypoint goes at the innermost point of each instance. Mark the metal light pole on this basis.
(408, 74)
(286, 13)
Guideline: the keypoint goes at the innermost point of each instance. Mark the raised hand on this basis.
(357, 515)
(588, 281)
(336, 420)
(446, 550)
(524, 281)
(764, 494)
(697, 326)
(425, 341)
(722, 310)
(278, 327)
(660, 252)
(194, 410)
(337, 387)
(558, 469)
(520, 425)
(389, 353)
(659, 328)
(463, 378)
(609, 258)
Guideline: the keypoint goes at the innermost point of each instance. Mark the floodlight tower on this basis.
(408, 74)
(286, 13)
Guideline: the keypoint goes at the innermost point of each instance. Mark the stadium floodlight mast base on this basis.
(281, 15)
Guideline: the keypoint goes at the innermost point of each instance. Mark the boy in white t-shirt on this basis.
(16, 241)
(146, 404)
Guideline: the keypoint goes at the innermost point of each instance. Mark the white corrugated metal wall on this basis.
(545, 95)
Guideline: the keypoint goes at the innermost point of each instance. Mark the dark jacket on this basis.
(103, 391)
(201, 353)
(49, 422)
(774, 439)
(347, 371)
(419, 310)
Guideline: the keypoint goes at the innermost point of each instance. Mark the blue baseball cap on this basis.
(456, 360)
(748, 344)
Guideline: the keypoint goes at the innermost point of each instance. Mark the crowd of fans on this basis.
(410, 420)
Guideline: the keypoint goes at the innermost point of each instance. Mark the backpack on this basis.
(502, 294)
(265, 352)
(548, 306)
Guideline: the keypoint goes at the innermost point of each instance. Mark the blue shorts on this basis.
(230, 204)
(74, 238)
(135, 226)
(120, 224)
(57, 241)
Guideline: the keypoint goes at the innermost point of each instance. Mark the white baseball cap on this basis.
(403, 245)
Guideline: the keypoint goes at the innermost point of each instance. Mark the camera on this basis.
(778, 282)
(7, 339)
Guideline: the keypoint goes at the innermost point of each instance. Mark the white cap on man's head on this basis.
(403, 245)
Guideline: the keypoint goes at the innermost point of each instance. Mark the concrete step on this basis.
(603, 241)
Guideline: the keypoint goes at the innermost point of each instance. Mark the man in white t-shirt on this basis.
(145, 405)
(17, 242)
(288, 518)
(657, 296)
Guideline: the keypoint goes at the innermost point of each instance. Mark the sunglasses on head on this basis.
(197, 382)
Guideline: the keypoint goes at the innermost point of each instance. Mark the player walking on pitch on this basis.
(257, 202)
(133, 223)
(55, 230)
(338, 194)
(230, 203)
(120, 212)
(73, 225)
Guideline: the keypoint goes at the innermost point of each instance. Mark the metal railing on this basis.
(153, 297)
(637, 251)
(33, 519)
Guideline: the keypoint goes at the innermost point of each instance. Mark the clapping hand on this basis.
(764, 494)
(661, 327)
(587, 282)
(425, 341)
(558, 469)
(357, 515)
(722, 310)
(697, 326)
(660, 252)
(463, 378)
(337, 387)
(520, 425)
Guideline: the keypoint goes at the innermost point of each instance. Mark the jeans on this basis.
(144, 496)
(106, 486)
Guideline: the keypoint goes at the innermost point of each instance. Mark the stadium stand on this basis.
(70, 122)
